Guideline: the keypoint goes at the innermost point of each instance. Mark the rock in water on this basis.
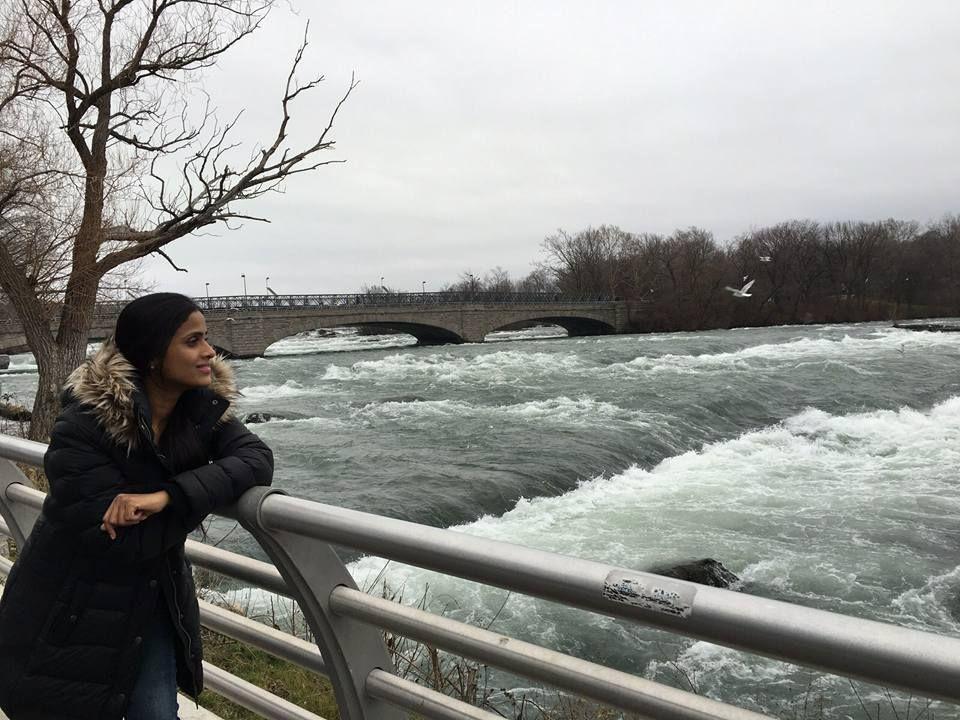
(262, 417)
(4, 362)
(705, 572)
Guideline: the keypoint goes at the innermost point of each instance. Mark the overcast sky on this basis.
(479, 128)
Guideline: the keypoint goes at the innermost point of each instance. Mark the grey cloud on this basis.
(479, 129)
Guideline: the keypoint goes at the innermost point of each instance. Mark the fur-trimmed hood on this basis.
(110, 386)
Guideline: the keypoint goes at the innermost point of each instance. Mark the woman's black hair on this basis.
(145, 328)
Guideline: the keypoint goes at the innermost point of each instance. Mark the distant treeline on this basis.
(804, 271)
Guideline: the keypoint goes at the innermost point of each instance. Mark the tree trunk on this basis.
(54, 367)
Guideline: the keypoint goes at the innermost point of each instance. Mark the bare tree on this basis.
(938, 254)
(789, 258)
(538, 280)
(105, 158)
(497, 280)
(590, 261)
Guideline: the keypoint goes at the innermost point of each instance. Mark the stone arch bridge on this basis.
(245, 326)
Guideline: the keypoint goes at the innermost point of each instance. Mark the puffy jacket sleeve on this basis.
(84, 479)
(240, 461)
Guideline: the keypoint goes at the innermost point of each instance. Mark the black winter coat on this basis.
(76, 604)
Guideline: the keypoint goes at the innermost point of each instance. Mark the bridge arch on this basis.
(424, 333)
(575, 326)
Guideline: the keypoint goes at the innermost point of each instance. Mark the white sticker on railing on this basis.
(658, 595)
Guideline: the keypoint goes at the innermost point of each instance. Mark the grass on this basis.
(463, 679)
(290, 682)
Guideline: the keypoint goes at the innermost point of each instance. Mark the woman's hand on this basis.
(129, 509)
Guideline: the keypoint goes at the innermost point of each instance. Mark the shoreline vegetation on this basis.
(803, 272)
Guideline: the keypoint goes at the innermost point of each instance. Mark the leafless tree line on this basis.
(498, 280)
(804, 271)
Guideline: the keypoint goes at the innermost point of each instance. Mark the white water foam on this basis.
(505, 367)
(291, 388)
(803, 509)
(542, 332)
(336, 340)
(564, 411)
(21, 363)
(848, 352)
(26, 363)
(560, 410)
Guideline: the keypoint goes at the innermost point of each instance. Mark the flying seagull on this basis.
(742, 292)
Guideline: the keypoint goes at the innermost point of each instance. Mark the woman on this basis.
(99, 618)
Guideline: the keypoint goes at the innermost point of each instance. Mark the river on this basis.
(818, 463)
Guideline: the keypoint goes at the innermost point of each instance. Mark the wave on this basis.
(583, 411)
(562, 410)
(936, 604)
(810, 510)
(336, 340)
(24, 369)
(325, 423)
(854, 354)
(542, 332)
(505, 367)
(290, 388)
(848, 352)
(804, 509)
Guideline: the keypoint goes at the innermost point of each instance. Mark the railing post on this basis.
(19, 518)
(311, 569)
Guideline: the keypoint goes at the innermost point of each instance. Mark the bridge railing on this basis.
(253, 303)
(298, 536)
(228, 303)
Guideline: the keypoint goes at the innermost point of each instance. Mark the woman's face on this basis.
(187, 361)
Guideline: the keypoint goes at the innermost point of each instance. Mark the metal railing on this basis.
(382, 299)
(105, 311)
(298, 536)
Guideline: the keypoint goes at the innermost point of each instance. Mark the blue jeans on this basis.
(154, 694)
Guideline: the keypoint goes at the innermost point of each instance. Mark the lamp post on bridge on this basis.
(207, 288)
(243, 276)
(423, 287)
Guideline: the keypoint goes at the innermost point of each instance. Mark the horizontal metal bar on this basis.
(277, 643)
(251, 697)
(22, 450)
(421, 700)
(20, 493)
(610, 687)
(255, 572)
(886, 654)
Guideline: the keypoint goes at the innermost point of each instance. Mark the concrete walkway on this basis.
(189, 711)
